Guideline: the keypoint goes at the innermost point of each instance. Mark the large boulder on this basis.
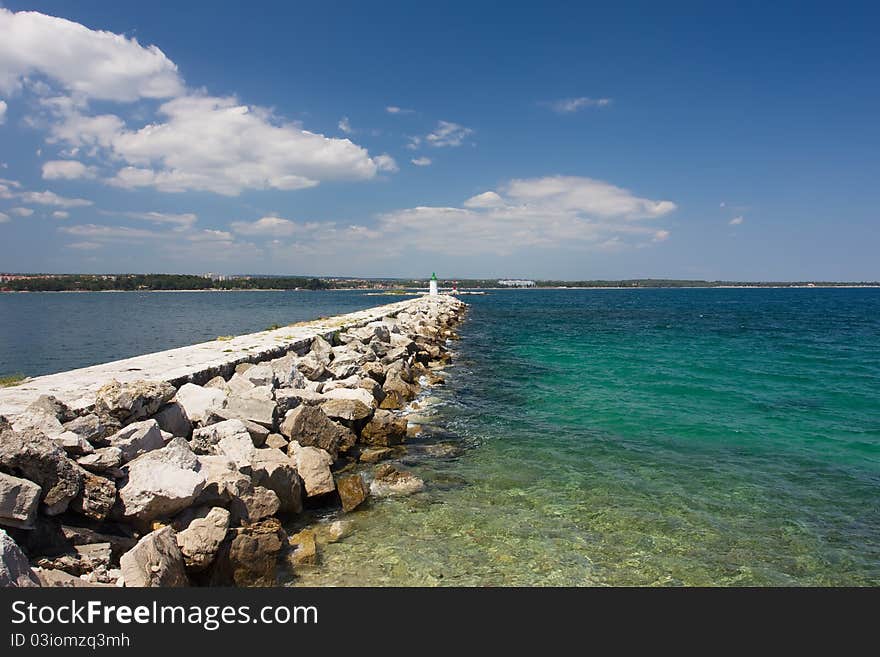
(15, 570)
(97, 497)
(254, 504)
(289, 398)
(286, 373)
(384, 429)
(37, 458)
(309, 426)
(19, 499)
(249, 556)
(156, 560)
(44, 415)
(173, 419)
(137, 438)
(128, 402)
(349, 411)
(200, 541)
(353, 491)
(258, 432)
(223, 482)
(104, 460)
(198, 401)
(313, 465)
(162, 482)
(356, 394)
(312, 368)
(260, 375)
(92, 427)
(228, 438)
(255, 405)
(321, 350)
(274, 470)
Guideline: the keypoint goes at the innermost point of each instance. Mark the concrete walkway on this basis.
(197, 363)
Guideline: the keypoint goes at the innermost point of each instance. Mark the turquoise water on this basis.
(643, 437)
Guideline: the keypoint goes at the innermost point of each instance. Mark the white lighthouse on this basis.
(432, 289)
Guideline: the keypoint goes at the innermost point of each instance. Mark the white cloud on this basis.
(421, 161)
(60, 214)
(553, 212)
(413, 143)
(85, 246)
(218, 145)
(3, 107)
(394, 109)
(736, 221)
(195, 142)
(266, 227)
(102, 232)
(386, 163)
(345, 125)
(22, 212)
(182, 220)
(4, 218)
(93, 64)
(448, 134)
(484, 200)
(51, 198)
(569, 105)
(67, 170)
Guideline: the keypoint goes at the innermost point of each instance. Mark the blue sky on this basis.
(683, 140)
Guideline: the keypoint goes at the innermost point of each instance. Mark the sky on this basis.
(734, 141)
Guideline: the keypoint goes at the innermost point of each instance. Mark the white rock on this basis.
(313, 465)
(200, 541)
(162, 482)
(156, 560)
(137, 438)
(229, 438)
(357, 394)
(198, 401)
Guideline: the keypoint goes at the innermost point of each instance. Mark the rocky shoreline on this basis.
(174, 485)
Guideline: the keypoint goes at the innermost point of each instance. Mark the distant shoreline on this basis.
(412, 292)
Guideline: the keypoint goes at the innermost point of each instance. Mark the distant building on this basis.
(215, 277)
(516, 282)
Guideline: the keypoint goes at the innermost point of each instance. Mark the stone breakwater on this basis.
(183, 467)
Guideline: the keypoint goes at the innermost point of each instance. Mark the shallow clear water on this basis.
(644, 437)
(45, 332)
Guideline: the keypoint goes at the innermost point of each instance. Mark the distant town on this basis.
(18, 282)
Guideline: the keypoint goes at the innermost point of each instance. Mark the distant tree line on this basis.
(132, 282)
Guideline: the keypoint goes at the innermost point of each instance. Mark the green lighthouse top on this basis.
(433, 276)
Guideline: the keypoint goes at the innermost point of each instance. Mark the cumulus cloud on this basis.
(21, 212)
(60, 214)
(51, 198)
(570, 105)
(448, 134)
(386, 163)
(552, 212)
(179, 220)
(345, 125)
(421, 161)
(3, 107)
(736, 221)
(91, 63)
(195, 142)
(67, 170)
(4, 218)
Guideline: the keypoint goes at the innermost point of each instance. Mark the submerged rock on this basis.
(305, 549)
(389, 480)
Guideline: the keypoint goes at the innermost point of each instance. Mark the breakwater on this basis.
(179, 467)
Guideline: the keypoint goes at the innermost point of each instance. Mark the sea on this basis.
(623, 437)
